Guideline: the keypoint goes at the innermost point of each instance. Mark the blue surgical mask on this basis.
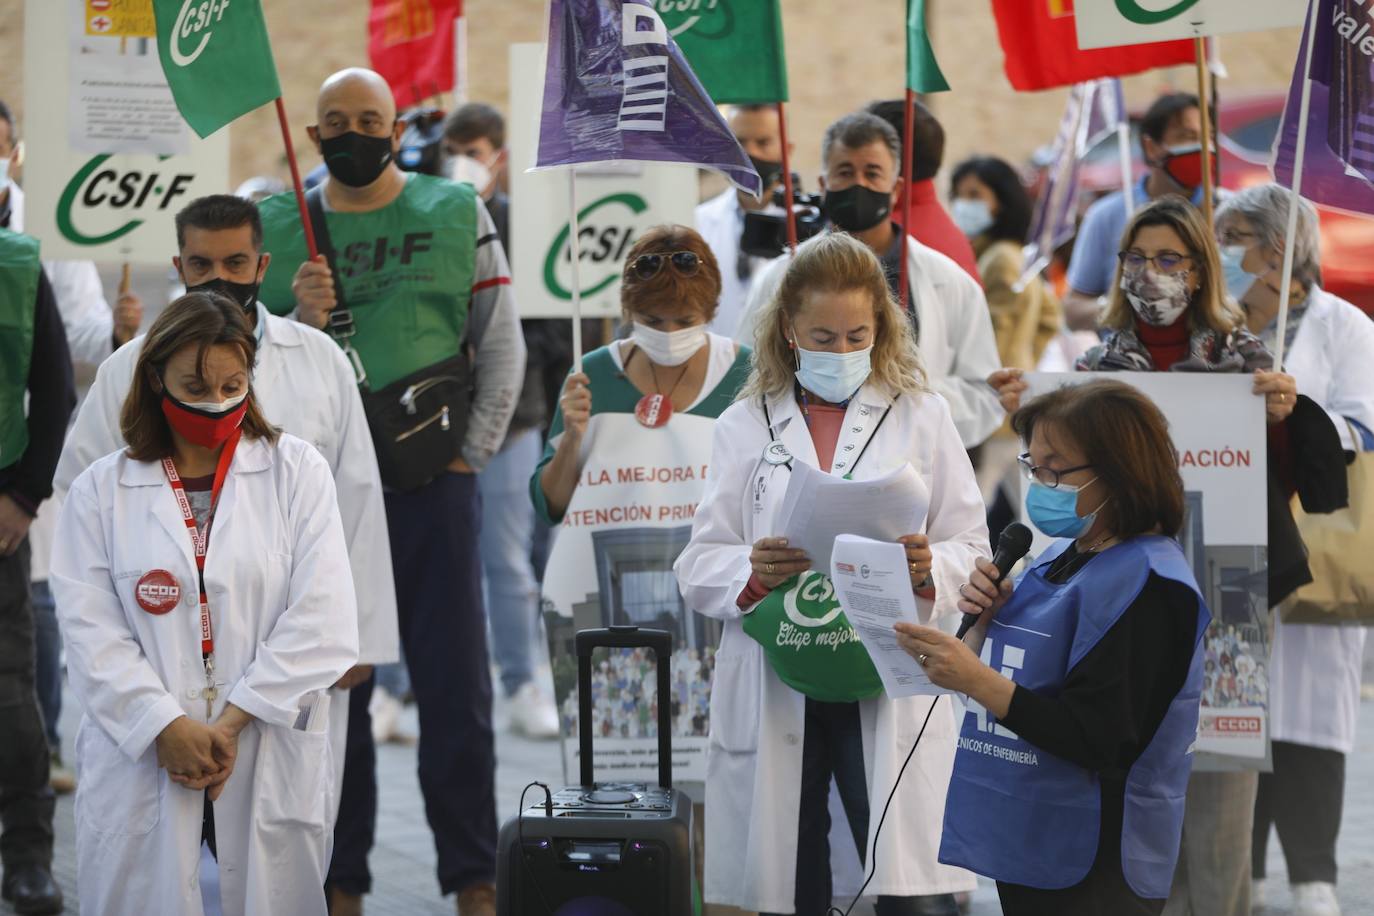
(833, 377)
(973, 217)
(1238, 279)
(1054, 510)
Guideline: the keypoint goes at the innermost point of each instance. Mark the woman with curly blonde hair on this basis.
(836, 383)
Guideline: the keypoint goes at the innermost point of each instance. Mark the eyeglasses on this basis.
(647, 266)
(1133, 262)
(1048, 477)
(1235, 237)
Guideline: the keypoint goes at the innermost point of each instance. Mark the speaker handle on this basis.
(624, 637)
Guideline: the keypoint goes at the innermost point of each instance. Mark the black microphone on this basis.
(1013, 544)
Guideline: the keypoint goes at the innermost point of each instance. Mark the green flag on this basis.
(734, 46)
(922, 71)
(217, 59)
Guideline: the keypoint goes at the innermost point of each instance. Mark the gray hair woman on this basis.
(1315, 675)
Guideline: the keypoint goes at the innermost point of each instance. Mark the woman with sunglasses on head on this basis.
(670, 365)
(203, 746)
(1084, 678)
(837, 384)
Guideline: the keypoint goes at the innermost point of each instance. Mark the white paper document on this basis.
(819, 507)
(874, 589)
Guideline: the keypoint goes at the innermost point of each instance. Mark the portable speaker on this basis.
(603, 849)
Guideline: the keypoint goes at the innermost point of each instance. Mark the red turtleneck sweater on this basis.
(1167, 345)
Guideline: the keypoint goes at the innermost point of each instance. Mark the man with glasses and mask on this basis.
(861, 155)
(1171, 141)
(305, 384)
(425, 293)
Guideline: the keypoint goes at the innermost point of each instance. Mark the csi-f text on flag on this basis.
(217, 59)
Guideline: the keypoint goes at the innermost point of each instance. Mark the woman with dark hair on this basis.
(228, 694)
(1069, 780)
(991, 206)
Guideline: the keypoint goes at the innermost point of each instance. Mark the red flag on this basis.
(1041, 47)
(411, 44)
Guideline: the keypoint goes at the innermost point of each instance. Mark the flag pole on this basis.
(1286, 284)
(575, 253)
(310, 247)
(908, 138)
(1123, 144)
(787, 189)
(1200, 51)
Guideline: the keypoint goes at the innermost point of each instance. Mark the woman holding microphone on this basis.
(1073, 762)
(205, 599)
(837, 384)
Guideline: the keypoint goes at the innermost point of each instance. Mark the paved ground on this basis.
(403, 862)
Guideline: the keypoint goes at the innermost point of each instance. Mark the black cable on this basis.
(548, 812)
(873, 854)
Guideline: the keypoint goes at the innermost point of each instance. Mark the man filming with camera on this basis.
(862, 184)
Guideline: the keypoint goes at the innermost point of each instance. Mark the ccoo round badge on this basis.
(776, 453)
(653, 410)
(158, 591)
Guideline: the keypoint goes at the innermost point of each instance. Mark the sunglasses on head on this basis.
(647, 266)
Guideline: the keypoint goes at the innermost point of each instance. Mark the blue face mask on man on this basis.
(1054, 510)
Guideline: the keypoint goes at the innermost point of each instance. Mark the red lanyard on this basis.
(201, 541)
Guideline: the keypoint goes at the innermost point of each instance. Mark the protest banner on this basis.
(611, 564)
(1217, 425)
(413, 45)
(1107, 24)
(103, 183)
(620, 203)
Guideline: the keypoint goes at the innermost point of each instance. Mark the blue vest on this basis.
(1020, 815)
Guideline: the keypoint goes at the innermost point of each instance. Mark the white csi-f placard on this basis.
(1218, 428)
(1111, 23)
(616, 203)
(102, 206)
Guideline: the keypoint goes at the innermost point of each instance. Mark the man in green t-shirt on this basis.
(424, 275)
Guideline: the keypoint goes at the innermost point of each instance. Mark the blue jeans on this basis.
(511, 588)
(48, 673)
(833, 746)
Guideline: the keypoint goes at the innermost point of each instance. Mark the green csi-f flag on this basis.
(217, 59)
(922, 71)
(734, 47)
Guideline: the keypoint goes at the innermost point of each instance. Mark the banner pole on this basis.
(575, 253)
(908, 138)
(310, 247)
(787, 189)
(1286, 284)
(1200, 51)
(1123, 145)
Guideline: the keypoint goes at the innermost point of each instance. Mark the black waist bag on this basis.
(418, 422)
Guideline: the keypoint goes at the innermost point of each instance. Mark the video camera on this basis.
(765, 234)
(422, 142)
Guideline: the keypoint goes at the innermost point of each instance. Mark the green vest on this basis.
(19, 272)
(811, 644)
(406, 272)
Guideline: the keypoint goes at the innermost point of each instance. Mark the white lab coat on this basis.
(957, 343)
(1315, 669)
(720, 221)
(285, 627)
(753, 769)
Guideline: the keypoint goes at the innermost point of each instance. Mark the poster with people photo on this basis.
(1218, 428)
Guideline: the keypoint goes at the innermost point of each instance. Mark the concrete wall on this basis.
(841, 54)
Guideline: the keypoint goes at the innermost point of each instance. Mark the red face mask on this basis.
(1184, 165)
(206, 428)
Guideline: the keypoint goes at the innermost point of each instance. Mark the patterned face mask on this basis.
(1159, 299)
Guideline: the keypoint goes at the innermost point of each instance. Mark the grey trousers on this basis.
(1213, 873)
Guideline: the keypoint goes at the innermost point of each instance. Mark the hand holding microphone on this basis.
(988, 587)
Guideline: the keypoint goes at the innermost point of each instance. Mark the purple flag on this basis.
(1094, 110)
(1338, 164)
(618, 88)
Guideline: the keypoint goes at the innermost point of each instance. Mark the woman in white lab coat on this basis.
(1314, 672)
(837, 383)
(205, 695)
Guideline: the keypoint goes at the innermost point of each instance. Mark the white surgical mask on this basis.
(834, 377)
(471, 171)
(669, 348)
(4, 171)
(972, 216)
(215, 406)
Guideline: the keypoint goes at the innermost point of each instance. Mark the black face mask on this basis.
(769, 171)
(243, 293)
(356, 159)
(856, 208)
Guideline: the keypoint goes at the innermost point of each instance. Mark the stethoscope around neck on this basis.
(776, 454)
